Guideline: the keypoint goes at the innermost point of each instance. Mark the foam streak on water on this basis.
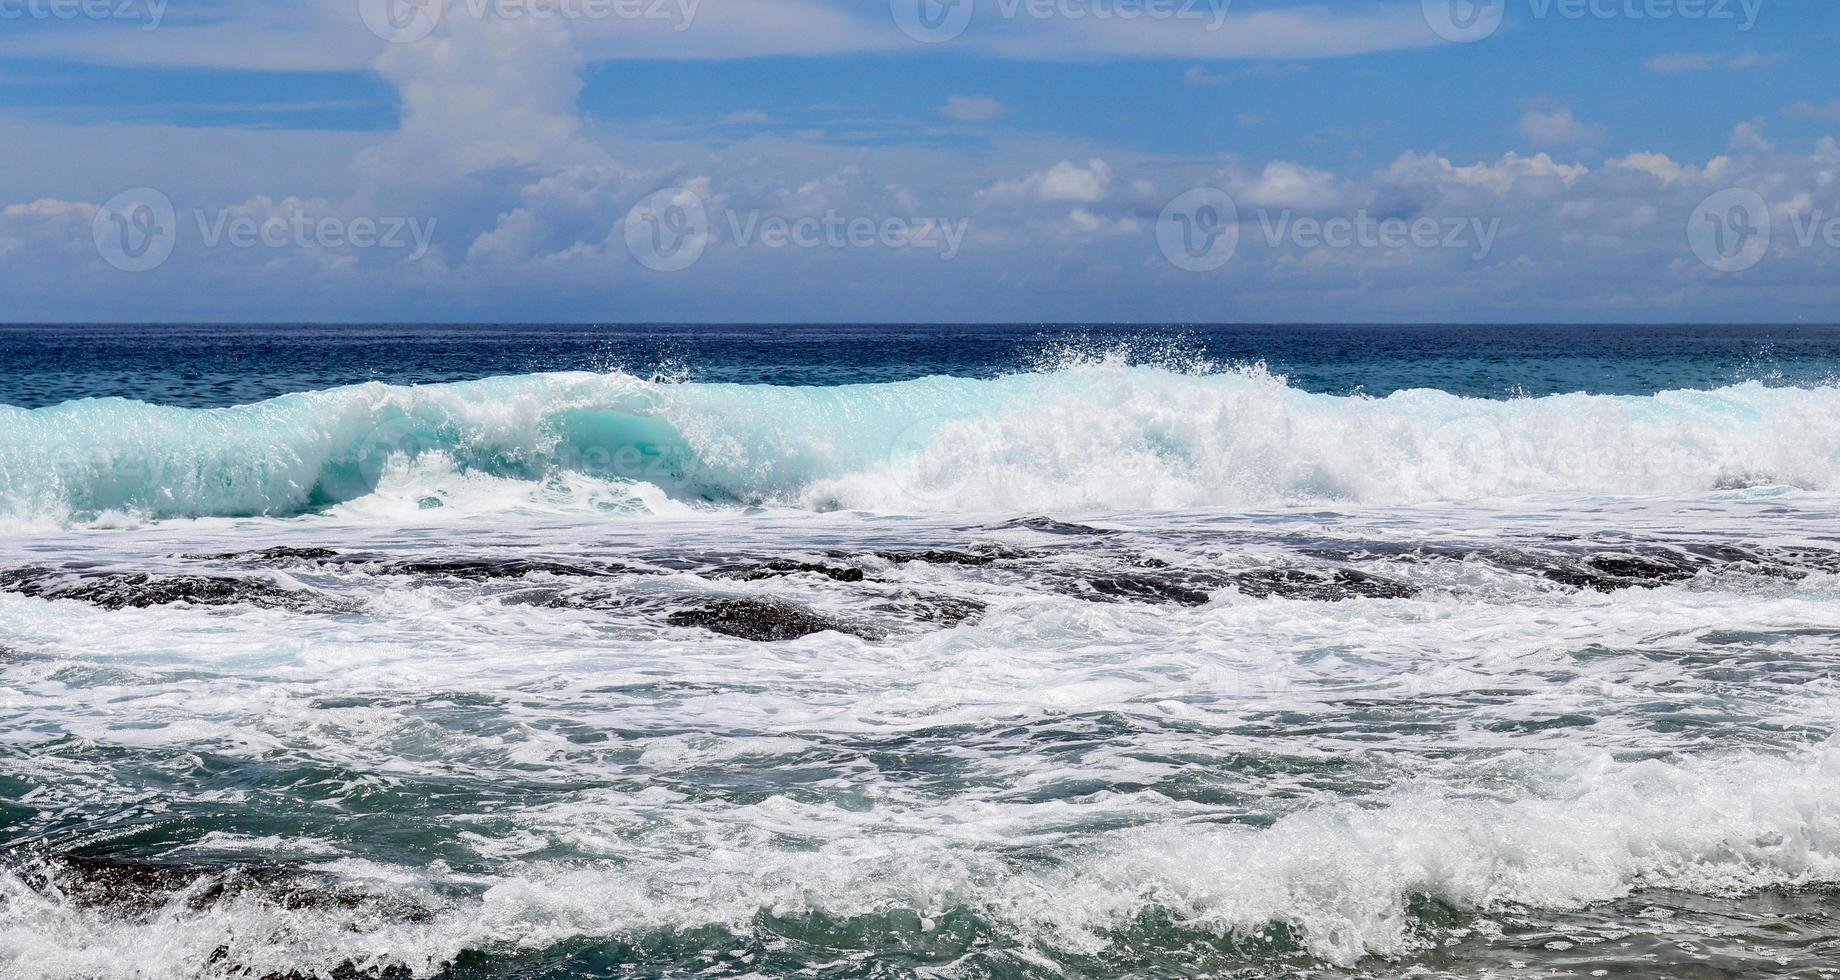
(385, 681)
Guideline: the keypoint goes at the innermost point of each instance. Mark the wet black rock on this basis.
(936, 557)
(489, 569)
(938, 610)
(781, 569)
(1320, 585)
(140, 590)
(764, 621)
(1146, 588)
(1611, 573)
(1048, 525)
(984, 555)
(274, 556)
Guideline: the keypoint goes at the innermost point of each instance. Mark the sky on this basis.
(920, 161)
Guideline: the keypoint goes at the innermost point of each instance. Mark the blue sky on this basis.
(495, 160)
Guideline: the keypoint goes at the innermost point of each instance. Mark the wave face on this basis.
(1098, 435)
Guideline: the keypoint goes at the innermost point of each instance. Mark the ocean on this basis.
(919, 651)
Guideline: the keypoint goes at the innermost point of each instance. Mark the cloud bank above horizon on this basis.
(917, 160)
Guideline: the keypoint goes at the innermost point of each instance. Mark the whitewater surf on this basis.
(1098, 667)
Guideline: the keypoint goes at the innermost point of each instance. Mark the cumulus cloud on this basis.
(483, 93)
(1747, 137)
(1065, 182)
(1660, 167)
(48, 223)
(1283, 184)
(1556, 128)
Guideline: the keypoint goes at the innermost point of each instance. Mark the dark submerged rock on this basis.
(1048, 525)
(940, 556)
(1327, 585)
(489, 569)
(1147, 588)
(274, 556)
(140, 590)
(763, 621)
(781, 569)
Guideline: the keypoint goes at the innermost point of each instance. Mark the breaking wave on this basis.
(1097, 435)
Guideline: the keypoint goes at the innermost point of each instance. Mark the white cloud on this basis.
(1557, 127)
(483, 94)
(48, 224)
(972, 108)
(1747, 137)
(1824, 111)
(1282, 184)
(1659, 166)
(1064, 182)
(1499, 177)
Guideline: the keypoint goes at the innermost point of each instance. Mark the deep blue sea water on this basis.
(221, 365)
(481, 653)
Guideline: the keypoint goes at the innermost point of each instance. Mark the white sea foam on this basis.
(1094, 435)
